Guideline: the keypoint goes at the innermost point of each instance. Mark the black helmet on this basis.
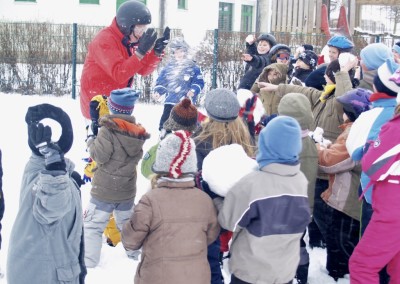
(278, 48)
(268, 37)
(132, 13)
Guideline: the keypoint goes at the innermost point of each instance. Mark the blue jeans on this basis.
(213, 260)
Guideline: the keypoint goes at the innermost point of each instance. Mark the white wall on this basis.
(200, 16)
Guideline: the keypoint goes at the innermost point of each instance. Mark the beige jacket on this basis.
(173, 224)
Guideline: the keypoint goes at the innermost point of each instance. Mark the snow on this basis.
(114, 264)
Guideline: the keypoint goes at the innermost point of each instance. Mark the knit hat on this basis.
(355, 102)
(176, 155)
(309, 57)
(316, 78)
(374, 55)
(122, 101)
(297, 105)
(279, 142)
(39, 112)
(308, 47)
(183, 116)
(222, 105)
(382, 81)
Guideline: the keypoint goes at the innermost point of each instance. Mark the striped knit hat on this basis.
(122, 101)
(176, 155)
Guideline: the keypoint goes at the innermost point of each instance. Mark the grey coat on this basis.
(45, 241)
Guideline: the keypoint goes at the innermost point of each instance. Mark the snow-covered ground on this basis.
(114, 266)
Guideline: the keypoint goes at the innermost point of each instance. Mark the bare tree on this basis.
(394, 15)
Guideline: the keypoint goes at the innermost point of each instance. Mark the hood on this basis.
(297, 105)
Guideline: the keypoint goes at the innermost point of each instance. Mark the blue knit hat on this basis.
(279, 142)
(374, 55)
(122, 101)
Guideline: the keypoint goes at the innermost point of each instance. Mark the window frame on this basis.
(182, 4)
(225, 18)
(246, 18)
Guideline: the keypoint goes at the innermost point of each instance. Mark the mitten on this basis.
(146, 42)
(77, 178)
(40, 136)
(95, 127)
(134, 254)
(162, 42)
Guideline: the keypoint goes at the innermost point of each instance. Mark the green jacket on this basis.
(329, 114)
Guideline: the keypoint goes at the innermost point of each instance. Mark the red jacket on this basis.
(108, 66)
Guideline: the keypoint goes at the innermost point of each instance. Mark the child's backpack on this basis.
(148, 160)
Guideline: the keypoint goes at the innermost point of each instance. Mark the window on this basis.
(182, 4)
(246, 24)
(225, 16)
(119, 2)
(89, 1)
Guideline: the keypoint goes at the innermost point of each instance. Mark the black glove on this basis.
(162, 42)
(146, 42)
(40, 136)
(95, 127)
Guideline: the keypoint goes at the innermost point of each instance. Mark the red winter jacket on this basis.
(108, 66)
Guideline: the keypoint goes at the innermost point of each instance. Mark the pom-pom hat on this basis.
(122, 101)
(382, 80)
(222, 105)
(183, 116)
(176, 155)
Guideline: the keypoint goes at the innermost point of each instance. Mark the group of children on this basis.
(336, 100)
(180, 226)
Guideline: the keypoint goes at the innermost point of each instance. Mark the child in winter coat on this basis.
(344, 181)
(305, 64)
(298, 107)
(328, 115)
(379, 246)
(46, 241)
(275, 73)
(98, 109)
(117, 150)
(183, 116)
(256, 58)
(223, 127)
(268, 221)
(180, 78)
(175, 221)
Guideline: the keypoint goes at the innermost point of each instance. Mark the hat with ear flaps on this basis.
(36, 113)
(176, 155)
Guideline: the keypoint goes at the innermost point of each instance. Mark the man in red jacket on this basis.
(120, 51)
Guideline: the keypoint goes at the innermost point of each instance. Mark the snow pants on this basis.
(95, 219)
(379, 245)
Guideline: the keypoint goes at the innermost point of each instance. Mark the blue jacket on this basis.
(45, 241)
(366, 128)
(176, 79)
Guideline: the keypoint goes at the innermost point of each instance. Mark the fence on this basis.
(43, 58)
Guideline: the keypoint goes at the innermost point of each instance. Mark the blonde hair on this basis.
(226, 133)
